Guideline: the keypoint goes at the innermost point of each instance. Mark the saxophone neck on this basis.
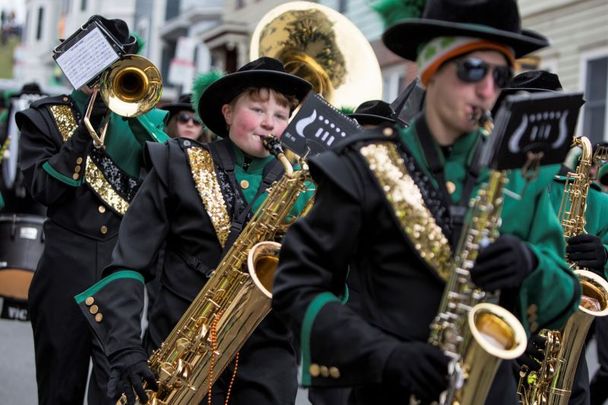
(273, 145)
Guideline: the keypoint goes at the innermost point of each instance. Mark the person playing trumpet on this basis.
(86, 190)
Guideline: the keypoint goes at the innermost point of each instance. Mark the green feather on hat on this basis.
(392, 11)
(200, 84)
(140, 42)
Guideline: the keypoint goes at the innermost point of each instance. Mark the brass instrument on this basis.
(130, 87)
(230, 305)
(553, 381)
(320, 45)
(476, 334)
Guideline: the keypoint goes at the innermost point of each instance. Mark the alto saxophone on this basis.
(473, 332)
(231, 304)
(553, 381)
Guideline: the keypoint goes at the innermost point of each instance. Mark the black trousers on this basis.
(267, 369)
(63, 342)
(599, 383)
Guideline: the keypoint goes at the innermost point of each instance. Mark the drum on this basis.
(21, 245)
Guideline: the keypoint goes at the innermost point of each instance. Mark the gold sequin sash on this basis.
(407, 203)
(205, 180)
(94, 176)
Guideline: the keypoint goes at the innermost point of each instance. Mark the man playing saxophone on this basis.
(587, 250)
(388, 211)
(197, 199)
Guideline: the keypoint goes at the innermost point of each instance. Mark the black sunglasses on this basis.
(473, 70)
(183, 118)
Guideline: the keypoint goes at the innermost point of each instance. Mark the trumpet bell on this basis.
(131, 86)
(320, 45)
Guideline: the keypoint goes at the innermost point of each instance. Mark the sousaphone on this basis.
(320, 45)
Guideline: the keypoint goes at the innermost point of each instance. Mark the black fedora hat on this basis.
(183, 103)
(373, 112)
(493, 20)
(263, 72)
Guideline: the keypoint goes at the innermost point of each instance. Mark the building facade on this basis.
(48, 21)
(578, 31)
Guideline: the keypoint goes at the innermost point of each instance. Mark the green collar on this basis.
(80, 100)
(256, 165)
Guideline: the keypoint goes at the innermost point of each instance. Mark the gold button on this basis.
(94, 309)
(76, 169)
(79, 160)
(103, 229)
(324, 371)
(388, 131)
(314, 370)
(451, 187)
(89, 301)
(101, 209)
(244, 184)
(75, 176)
(98, 317)
(334, 372)
(65, 99)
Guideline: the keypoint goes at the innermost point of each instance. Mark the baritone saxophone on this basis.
(231, 304)
(552, 383)
(474, 332)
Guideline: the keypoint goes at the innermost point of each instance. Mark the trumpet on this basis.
(130, 87)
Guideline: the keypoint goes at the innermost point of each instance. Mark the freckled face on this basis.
(250, 118)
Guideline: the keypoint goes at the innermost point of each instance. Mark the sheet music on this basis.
(87, 58)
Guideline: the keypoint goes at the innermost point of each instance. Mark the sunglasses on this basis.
(183, 118)
(473, 70)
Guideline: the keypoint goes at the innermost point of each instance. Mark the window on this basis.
(239, 4)
(83, 5)
(39, 25)
(172, 9)
(343, 6)
(596, 93)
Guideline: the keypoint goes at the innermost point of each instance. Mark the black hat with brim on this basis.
(264, 72)
(182, 104)
(373, 112)
(494, 20)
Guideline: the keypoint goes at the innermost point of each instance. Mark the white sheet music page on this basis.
(87, 58)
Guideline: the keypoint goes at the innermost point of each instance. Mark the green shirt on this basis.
(250, 179)
(596, 214)
(527, 214)
(125, 138)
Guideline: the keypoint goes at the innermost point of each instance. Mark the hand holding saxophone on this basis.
(587, 251)
(503, 264)
(420, 368)
(129, 371)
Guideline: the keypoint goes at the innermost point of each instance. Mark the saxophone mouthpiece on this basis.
(272, 144)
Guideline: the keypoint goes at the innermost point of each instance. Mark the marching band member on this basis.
(193, 196)
(465, 52)
(86, 190)
(587, 250)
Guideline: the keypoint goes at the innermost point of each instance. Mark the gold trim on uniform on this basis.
(95, 178)
(64, 118)
(203, 173)
(405, 198)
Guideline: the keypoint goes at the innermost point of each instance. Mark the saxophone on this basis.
(553, 381)
(231, 304)
(473, 332)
